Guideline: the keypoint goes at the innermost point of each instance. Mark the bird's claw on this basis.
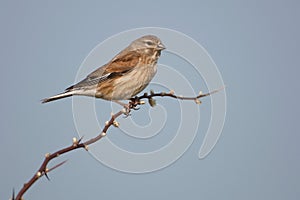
(132, 105)
(135, 108)
(134, 102)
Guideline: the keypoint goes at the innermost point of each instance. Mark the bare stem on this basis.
(43, 170)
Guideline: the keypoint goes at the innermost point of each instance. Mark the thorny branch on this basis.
(76, 144)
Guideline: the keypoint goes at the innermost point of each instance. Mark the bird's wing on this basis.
(121, 64)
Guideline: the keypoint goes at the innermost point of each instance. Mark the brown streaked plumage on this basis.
(127, 74)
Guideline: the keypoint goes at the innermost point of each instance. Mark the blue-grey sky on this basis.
(255, 46)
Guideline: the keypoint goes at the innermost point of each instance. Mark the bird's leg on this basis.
(134, 102)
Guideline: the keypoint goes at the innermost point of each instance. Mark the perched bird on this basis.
(127, 74)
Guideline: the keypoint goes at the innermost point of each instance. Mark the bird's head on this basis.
(148, 42)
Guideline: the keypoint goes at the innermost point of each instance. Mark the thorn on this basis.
(86, 147)
(111, 114)
(172, 92)
(13, 194)
(163, 93)
(46, 175)
(200, 93)
(151, 92)
(80, 140)
(142, 102)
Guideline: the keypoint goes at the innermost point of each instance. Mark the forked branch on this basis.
(78, 143)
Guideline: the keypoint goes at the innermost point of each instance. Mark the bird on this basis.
(124, 76)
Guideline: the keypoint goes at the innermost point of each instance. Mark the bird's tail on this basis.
(58, 96)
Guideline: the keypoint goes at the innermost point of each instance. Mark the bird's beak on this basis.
(160, 46)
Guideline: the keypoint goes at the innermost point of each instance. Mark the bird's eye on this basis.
(149, 43)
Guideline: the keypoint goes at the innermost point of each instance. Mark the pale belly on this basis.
(132, 83)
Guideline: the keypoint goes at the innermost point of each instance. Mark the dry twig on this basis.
(76, 144)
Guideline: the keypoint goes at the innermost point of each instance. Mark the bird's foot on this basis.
(134, 102)
(131, 105)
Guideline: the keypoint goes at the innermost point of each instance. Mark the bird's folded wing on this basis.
(120, 65)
